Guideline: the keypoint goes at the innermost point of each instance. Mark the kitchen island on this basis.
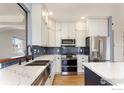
(110, 73)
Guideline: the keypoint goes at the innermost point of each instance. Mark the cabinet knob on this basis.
(102, 81)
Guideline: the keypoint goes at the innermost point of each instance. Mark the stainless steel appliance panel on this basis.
(97, 46)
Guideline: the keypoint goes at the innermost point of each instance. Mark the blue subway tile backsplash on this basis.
(39, 50)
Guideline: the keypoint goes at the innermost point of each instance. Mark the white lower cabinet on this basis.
(55, 69)
(52, 74)
(80, 60)
(58, 64)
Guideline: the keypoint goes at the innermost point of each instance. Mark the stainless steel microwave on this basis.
(68, 41)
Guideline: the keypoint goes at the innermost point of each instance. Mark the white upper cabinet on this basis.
(51, 33)
(71, 30)
(97, 27)
(51, 24)
(81, 29)
(39, 26)
(80, 38)
(58, 26)
(67, 30)
(44, 27)
(36, 24)
(64, 30)
(44, 34)
(58, 38)
(52, 38)
(81, 25)
(58, 34)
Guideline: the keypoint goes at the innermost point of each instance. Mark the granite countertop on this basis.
(21, 74)
(111, 72)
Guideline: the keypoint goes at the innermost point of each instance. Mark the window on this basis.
(18, 45)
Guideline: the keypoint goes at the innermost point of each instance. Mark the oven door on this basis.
(69, 70)
(69, 67)
(69, 62)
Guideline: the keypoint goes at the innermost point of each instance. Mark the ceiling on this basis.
(74, 11)
(11, 17)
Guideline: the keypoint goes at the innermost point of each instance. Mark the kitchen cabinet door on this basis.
(36, 24)
(58, 64)
(80, 60)
(58, 38)
(81, 25)
(98, 27)
(71, 30)
(52, 38)
(64, 30)
(80, 38)
(58, 26)
(51, 24)
(52, 72)
(45, 35)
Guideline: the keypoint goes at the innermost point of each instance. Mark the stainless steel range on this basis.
(69, 64)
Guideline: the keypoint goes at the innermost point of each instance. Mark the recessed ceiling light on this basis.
(50, 13)
(43, 13)
(82, 17)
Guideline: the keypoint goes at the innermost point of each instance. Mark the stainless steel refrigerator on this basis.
(97, 46)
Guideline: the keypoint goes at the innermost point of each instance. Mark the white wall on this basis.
(118, 35)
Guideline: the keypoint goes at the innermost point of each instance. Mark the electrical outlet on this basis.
(38, 51)
(0, 65)
(80, 50)
(58, 50)
(35, 51)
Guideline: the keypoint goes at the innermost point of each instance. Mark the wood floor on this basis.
(69, 80)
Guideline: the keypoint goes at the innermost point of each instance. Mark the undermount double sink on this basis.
(38, 63)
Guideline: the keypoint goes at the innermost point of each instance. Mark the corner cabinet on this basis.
(97, 26)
